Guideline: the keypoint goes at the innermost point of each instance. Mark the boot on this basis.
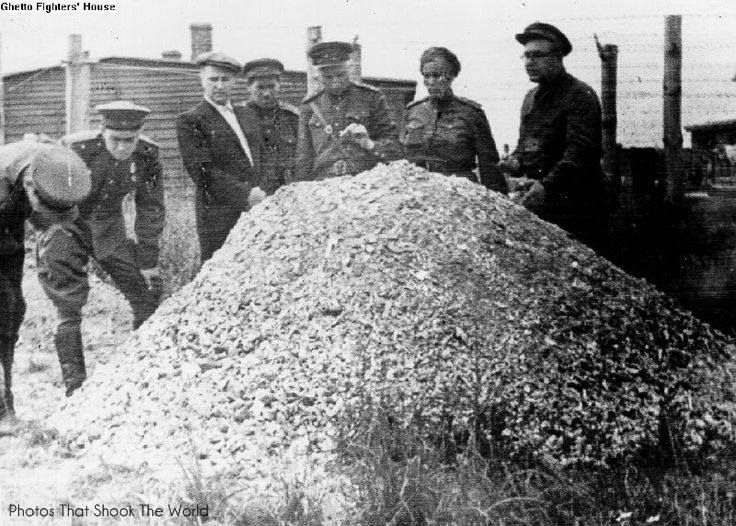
(68, 341)
(8, 421)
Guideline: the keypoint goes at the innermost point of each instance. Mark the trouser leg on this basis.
(7, 402)
(68, 340)
(122, 268)
(213, 226)
(11, 301)
(62, 259)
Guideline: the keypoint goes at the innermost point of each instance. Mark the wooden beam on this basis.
(672, 91)
(77, 86)
(609, 68)
(314, 36)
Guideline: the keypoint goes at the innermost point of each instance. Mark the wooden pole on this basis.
(672, 91)
(77, 87)
(609, 65)
(314, 36)
(356, 62)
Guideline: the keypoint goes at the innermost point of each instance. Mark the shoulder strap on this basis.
(317, 113)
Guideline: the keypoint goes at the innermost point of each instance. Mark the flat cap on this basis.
(330, 53)
(544, 31)
(262, 67)
(123, 115)
(60, 177)
(218, 60)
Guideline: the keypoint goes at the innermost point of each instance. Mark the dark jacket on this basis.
(560, 146)
(14, 206)
(101, 213)
(448, 136)
(320, 149)
(277, 131)
(219, 167)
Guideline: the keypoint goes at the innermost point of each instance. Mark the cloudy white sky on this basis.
(394, 33)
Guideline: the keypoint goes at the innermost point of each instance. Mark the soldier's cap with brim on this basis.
(540, 30)
(218, 60)
(123, 115)
(262, 68)
(330, 54)
(60, 177)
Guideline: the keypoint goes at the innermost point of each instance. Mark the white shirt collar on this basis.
(227, 105)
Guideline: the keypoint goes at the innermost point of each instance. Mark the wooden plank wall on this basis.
(34, 103)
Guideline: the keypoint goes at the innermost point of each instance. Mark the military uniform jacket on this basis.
(320, 151)
(452, 136)
(560, 136)
(277, 129)
(101, 213)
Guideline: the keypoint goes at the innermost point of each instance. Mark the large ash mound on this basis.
(426, 297)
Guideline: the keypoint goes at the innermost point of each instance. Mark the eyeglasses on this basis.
(537, 55)
(436, 76)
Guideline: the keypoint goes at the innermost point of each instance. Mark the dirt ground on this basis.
(38, 471)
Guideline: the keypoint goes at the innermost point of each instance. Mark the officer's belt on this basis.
(441, 166)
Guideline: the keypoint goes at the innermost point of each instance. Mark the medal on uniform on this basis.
(132, 171)
(328, 129)
(341, 167)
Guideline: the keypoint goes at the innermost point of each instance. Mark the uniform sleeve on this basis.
(304, 162)
(525, 105)
(384, 132)
(194, 150)
(485, 149)
(582, 141)
(150, 213)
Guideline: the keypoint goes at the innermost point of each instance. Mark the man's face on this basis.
(120, 143)
(217, 83)
(335, 79)
(541, 60)
(437, 78)
(263, 91)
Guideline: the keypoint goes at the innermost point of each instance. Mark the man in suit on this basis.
(277, 121)
(220, 153)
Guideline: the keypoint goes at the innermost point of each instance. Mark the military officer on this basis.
(346, 127)
(446, 133)
(559, 148)
(43, 183)
(122, 162)
(276, 123)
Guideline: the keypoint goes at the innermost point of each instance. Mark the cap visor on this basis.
(124, 133)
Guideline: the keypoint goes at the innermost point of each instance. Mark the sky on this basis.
(394, 33)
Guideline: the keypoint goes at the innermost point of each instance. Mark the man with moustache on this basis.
(220, 153)
(559, 148)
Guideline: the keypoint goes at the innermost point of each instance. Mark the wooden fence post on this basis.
(77, 87)
(672, 91)
(609, 65)
(314, 36)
